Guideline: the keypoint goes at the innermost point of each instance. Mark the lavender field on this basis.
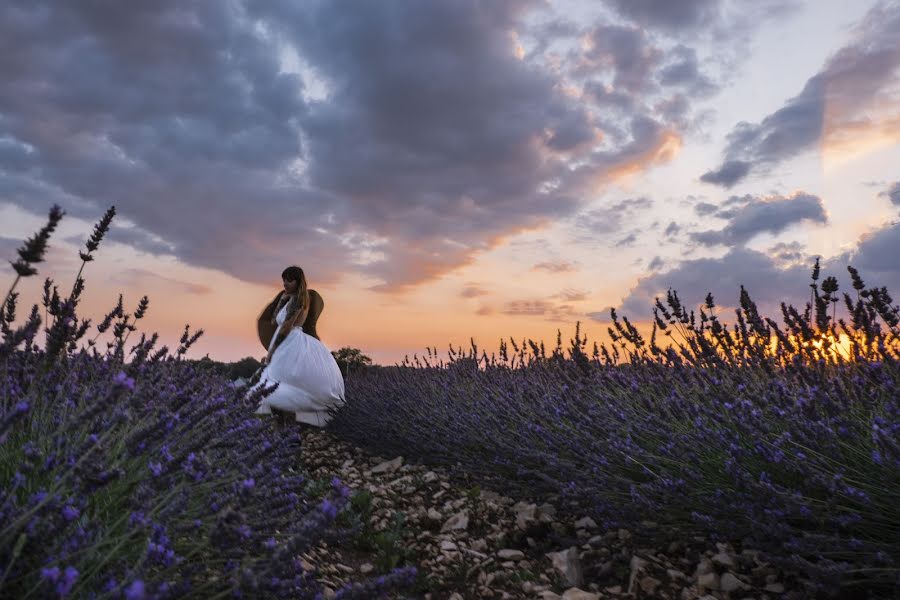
(129, 473)
(771, 436)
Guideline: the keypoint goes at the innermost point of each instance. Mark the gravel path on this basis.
(483, 544)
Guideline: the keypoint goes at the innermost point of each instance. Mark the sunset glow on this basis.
(450, 171)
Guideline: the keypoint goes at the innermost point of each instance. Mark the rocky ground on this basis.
(469, 542)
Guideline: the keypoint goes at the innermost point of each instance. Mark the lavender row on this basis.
(769, 434)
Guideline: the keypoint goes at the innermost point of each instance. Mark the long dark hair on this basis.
(301, 296)
(297, 302)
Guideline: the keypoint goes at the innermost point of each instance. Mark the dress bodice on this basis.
(282, 314)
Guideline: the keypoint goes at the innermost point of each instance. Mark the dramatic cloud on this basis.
(749, 216)
(850, 105)
(244, 136)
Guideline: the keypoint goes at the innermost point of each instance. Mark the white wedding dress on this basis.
(309, 378)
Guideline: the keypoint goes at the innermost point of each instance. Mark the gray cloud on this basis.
(705, 208)
(8, 247)
(144, 280)
(684, 72)
(188, 120)
(550, 311)
(847, 86)
(561, 266)
(609, 219)
(792, 252)
(770, 280)
(766, 283)
(472, 290)
(668, 15)
(572, 295)
(728, 174)
(892, 193)
(753, 216)
(876, 258)
(626, 241)
(722, 20)
(672, 229)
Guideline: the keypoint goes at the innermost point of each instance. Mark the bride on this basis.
(308, 376)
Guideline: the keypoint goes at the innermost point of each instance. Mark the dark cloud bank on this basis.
(435, 140)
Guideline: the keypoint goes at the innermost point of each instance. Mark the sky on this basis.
(450, 170)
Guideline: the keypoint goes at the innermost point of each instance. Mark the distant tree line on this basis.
(348, 359)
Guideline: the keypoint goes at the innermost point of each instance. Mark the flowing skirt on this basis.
(309, 380)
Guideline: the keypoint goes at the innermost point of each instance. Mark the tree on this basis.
(351, 358)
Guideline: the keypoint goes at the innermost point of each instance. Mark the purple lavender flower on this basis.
(123, 380)
(136, 590)
(67, 582)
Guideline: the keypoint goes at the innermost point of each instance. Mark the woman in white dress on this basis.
(309, 378)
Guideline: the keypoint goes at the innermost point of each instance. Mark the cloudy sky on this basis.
(448, 170)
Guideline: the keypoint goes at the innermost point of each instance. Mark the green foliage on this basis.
(351, 359)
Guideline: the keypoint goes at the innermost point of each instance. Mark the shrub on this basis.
(351, 359)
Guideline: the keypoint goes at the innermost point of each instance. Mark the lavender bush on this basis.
(132, 473)
(775, 435)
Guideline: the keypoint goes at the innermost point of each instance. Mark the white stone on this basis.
(724, 560)
(730, 583)
(568, 565)
(388, 466)
(709, 581)
(510, 554)
(525, 513)
(638, 564)
(574, 593)
(456, 522)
